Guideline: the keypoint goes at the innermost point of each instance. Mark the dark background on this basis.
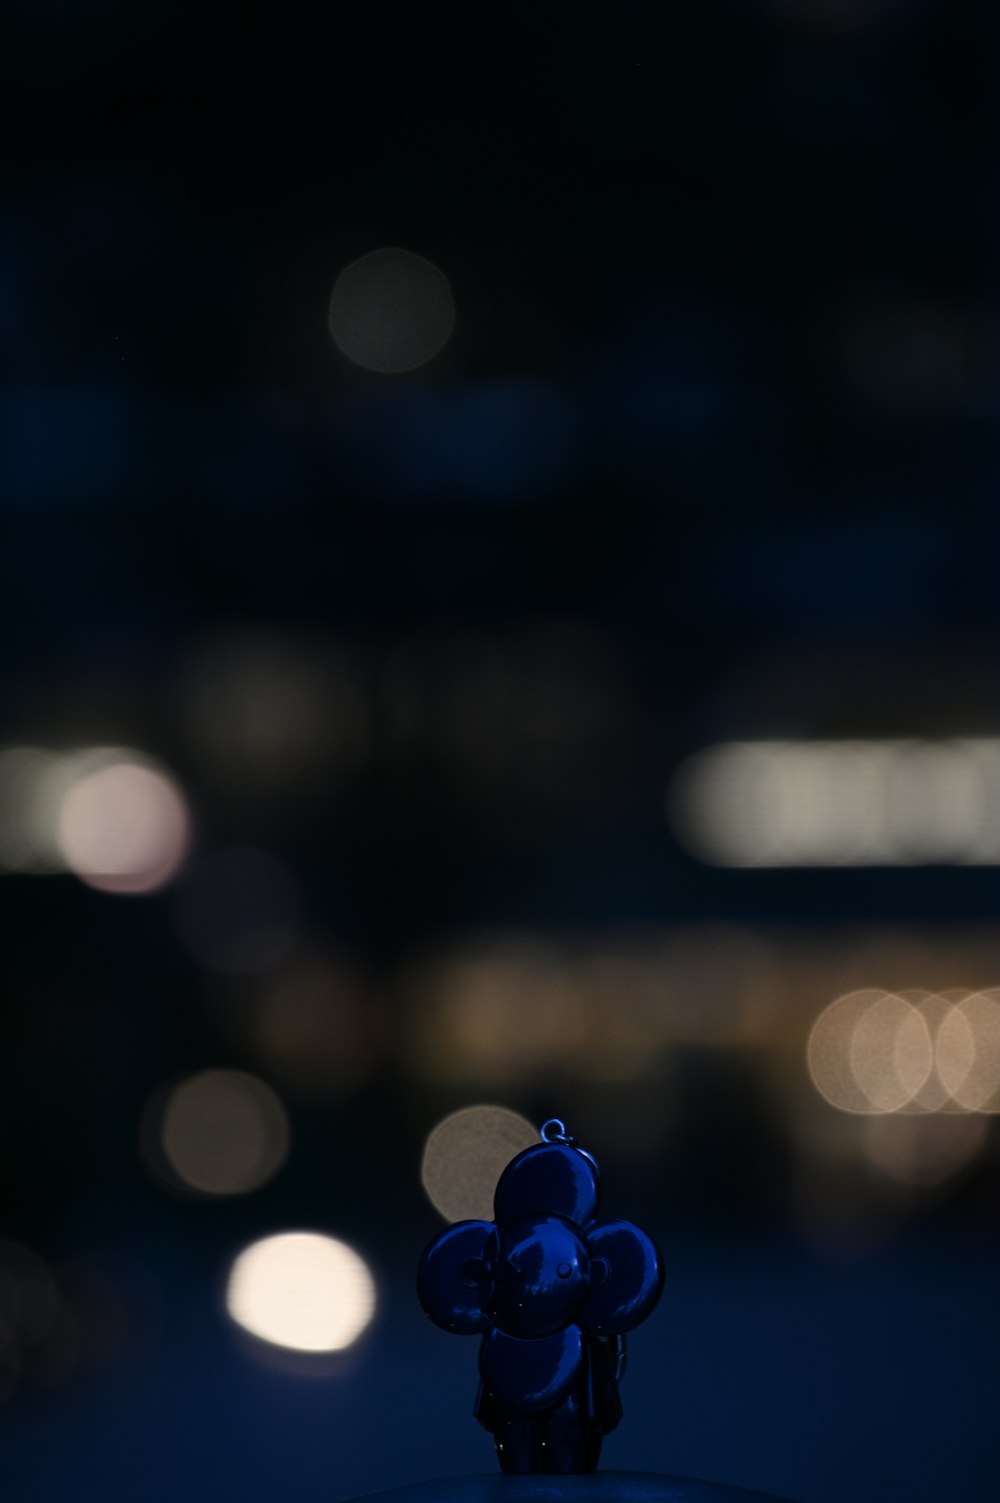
(709, 454)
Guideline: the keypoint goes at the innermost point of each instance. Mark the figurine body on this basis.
(552, 1291)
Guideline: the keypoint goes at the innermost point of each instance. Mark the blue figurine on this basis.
(552, 1291)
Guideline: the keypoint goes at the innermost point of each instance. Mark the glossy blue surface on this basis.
(554, 1292)
(634, 1281)
(445, 1287)
(548, 1179)
(541, 1279)
(528, 1376)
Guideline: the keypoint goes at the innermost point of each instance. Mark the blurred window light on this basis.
(466, 1153)
(391, 311)
(123, 827)
(301, 1290)
(873, 1052)
(220, 1132)
(840, 803)
(237, 911)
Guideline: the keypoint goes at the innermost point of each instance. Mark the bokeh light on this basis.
(500, 1012)
(840, 803)
(832, 1057)
(968, 1051)
(891, 1052)
(301, 1290)
(32, 784)
(874, 1051)
(237, 911)
(466, 1153)
(220, 1132)
(391, 311)
(123, 827)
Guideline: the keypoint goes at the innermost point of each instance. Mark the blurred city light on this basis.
(271, 714)
(220, 1132)
(872, 1052)
(391, 311)
(32, 784)
(123, 825)
(497, 1013)
(237, 911)
(518, 1007)
(301, 1290)
(840, 803)
(466, 1153)
(968, 1051)
(318, 1028)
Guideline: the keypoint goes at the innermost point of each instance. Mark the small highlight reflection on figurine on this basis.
(552, 1290)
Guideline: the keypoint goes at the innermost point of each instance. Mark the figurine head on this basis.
(546, 1264)
(533, 1277)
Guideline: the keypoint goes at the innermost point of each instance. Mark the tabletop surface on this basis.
(587, 1487)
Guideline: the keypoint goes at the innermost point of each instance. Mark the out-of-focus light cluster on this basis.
(522, 1012)
(303, 1291)
(391, 311)
(220, 1132)
(514, 1008)
(112, 816)
(872, 1052)
(464, 1156)
(840, 803)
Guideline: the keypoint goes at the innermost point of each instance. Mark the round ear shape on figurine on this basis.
(531, 1374)
(633, 1283)
(445, 1286)
(548, 1179)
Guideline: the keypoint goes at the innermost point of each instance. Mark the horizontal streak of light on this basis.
(840, 803)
